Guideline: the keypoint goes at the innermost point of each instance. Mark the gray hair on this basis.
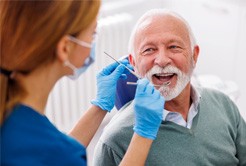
(158, 12)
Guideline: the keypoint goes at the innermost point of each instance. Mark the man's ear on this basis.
(131, 59)
(63, 49)
(196, 51)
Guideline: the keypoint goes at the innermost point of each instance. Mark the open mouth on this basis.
(161, 78)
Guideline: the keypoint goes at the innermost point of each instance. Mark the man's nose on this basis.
(162, 58)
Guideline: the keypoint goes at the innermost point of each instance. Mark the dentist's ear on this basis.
(131, 59)
(63, 49)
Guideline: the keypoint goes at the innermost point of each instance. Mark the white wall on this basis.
(220, 29)
(240, 60)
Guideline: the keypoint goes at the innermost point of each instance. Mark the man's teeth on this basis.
(164, 74)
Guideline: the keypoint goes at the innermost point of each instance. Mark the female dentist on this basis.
(42, 41)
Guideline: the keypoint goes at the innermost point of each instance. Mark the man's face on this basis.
(163, 54)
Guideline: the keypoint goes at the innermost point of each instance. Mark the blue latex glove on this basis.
(148, 108)
(106, 85)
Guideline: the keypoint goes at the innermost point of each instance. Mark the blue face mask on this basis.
(88, 61)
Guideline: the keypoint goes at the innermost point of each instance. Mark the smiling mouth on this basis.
(161, 78)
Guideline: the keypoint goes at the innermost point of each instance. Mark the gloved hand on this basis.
(148, 108)
(106, 85)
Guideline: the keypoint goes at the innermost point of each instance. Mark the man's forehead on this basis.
(161, 24)
(164, 21)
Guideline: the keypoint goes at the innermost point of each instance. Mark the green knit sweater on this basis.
(217, 137)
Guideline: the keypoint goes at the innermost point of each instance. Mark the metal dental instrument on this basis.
(123, 65)
(134, 83)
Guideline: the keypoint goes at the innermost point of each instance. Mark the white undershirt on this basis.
(177, 118)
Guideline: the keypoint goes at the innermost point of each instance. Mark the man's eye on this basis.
(149, 50)
(173, 47)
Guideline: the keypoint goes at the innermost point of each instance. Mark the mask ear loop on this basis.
(82, 43)
(88, 61)
(68, 64)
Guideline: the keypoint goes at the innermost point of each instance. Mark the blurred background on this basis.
(219, 27)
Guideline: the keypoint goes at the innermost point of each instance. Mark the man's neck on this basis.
(181, 103)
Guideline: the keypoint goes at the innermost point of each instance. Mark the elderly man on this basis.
(200, 126)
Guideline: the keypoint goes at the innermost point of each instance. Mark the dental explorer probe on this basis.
(123, 65)
(133, 83)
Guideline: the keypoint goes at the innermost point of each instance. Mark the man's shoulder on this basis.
(212, 99)
(213, 94)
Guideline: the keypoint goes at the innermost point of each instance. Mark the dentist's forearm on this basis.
(137, 151)
(88, 124)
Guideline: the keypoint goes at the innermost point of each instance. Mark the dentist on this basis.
(42, 41)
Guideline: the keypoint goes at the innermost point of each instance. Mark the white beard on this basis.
(182, 80)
